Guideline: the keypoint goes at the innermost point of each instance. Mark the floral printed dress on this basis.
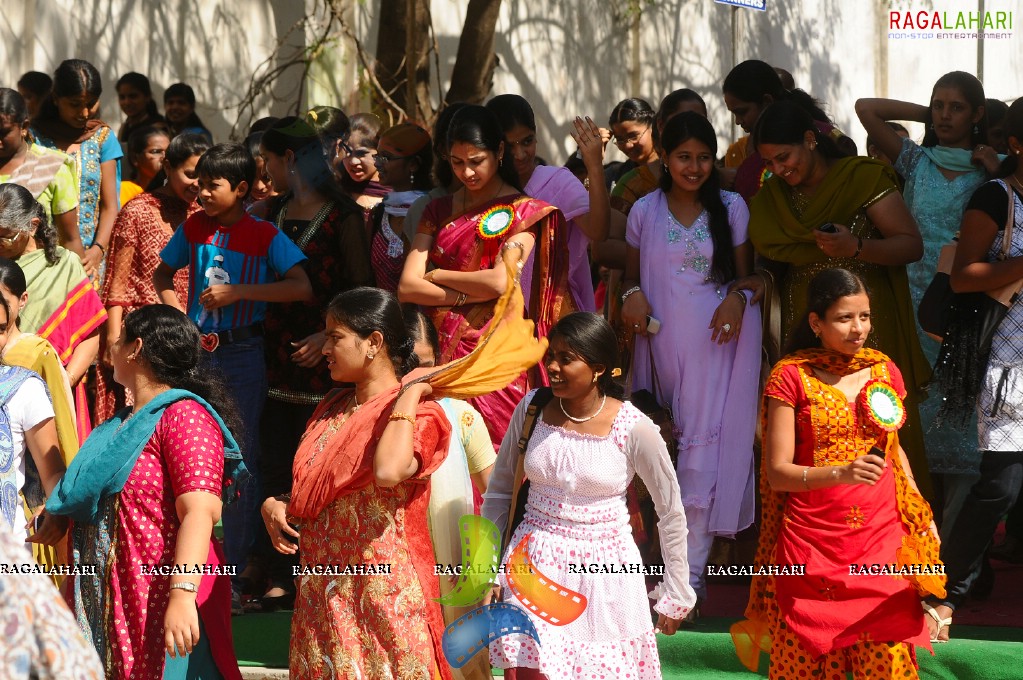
(379, 619)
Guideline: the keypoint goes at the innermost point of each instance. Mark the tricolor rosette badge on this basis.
(496, 221)
(882, 405)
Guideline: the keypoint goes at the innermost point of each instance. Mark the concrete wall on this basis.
(567, 57)
(214, 45)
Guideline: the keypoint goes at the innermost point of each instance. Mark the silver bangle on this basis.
(185, 585)
(806, 471)
(626, 294)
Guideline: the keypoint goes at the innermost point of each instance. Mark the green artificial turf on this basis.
(705, 651)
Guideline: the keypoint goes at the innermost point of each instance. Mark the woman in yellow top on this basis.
(48, 174)
(822, 209)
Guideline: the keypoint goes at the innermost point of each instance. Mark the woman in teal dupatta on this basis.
(144, 493)
(874, 236)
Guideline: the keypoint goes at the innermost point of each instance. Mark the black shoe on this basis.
(278, 602)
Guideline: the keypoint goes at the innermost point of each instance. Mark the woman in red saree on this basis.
(455, 267)
(839, 499)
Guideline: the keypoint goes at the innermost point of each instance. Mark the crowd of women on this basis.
(576, 352)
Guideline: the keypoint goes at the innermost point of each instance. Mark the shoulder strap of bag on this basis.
(1010, 223)
(540, 399)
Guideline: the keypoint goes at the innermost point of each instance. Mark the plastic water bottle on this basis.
(215, 275)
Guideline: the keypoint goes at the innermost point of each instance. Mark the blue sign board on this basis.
(748, 4)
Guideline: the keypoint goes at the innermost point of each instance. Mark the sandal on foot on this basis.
(942, 623)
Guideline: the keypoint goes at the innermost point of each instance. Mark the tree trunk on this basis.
(390, 57)
(403, 58)
(473, 75)
(418, 104)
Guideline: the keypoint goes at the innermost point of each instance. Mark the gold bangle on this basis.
(397, 415)
(461, 299)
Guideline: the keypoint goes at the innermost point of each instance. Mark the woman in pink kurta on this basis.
(143, 228)
(185, 454)
(144, 492)
(686, 244)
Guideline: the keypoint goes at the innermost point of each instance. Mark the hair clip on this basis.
(616, 372)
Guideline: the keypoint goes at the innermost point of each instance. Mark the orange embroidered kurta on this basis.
(840, 533)
(380, 619)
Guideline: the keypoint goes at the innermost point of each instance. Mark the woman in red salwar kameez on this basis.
(839, 499)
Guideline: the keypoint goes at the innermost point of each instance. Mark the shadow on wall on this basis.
(215, 47)
(577, 59)
(809, 45)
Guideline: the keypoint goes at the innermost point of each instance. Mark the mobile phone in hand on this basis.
(828, 228)
(877, 452)
(652, 325)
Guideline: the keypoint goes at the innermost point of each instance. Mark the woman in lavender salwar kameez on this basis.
(686, 243)
(586, 208)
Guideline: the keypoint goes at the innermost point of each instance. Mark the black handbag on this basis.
(935, 310)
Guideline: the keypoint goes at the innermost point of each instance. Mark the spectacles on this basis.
(8, 241)
(341, 150)
(385, 159)
(631, 138)
(361, 153)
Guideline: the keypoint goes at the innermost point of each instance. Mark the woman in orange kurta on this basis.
(838, 499)
(360, 496)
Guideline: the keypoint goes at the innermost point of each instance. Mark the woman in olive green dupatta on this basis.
(874, 235)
